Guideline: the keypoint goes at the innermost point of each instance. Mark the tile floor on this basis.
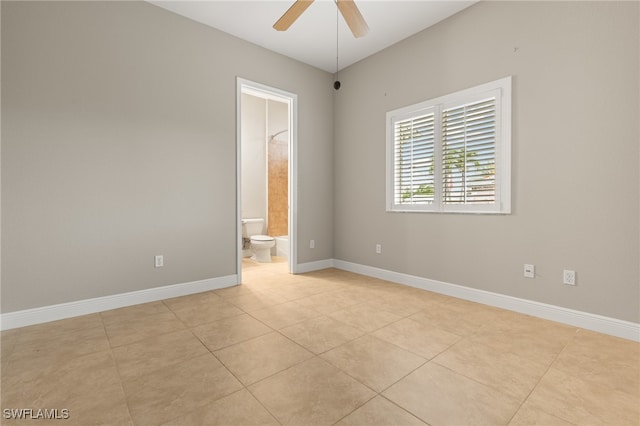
(323, 348)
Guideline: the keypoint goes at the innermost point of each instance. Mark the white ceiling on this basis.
(312, 38)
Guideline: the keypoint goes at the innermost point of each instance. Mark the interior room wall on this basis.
(119, 143)
(253, 164)
(575, 154)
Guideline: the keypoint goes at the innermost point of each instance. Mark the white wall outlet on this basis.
(159, 261)
(569, 277)
(529, 271)
(379, 248)
(312, 244)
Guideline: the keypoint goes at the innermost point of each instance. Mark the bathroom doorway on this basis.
(266, 156)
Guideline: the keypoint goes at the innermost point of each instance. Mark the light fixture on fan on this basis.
(348, 9)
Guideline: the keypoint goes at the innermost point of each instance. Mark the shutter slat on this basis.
(414, 143)
(468, 153)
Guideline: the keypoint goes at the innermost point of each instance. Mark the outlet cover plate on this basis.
(529, 271)
(569, 277)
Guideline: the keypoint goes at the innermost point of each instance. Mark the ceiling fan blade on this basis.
(292, 14)
(353, 17)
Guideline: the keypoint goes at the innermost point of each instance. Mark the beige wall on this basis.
(119, 143)
(575, 154)
(253, 163)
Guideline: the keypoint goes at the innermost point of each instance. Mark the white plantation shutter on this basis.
(452, 154)
(468, 153)
(414, 154)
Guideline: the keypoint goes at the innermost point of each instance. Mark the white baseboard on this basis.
(89, 306)
(599, 323)
(301, 268)
(594, 322)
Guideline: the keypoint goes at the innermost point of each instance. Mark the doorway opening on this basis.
(267, 174)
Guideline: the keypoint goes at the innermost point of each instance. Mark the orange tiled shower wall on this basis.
(278, 162)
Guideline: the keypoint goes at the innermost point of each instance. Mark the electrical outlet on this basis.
(569, 277)
(379, 248)
(529, 271)
(312, 244)
(159, 261)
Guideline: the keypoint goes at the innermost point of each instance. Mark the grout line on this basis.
(115, 363)
(262, 405)
(314, 354)
(542, 377)
(356, 408)
(244, 387)
(405, 410)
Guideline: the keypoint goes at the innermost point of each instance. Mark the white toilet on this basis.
(260, 244)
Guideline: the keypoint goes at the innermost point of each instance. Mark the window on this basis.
(453, 153)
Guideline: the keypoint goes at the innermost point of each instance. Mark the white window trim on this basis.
(502, 89)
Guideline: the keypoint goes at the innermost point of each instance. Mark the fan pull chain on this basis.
(336, 84)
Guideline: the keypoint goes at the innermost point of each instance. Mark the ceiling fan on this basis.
(348, 9)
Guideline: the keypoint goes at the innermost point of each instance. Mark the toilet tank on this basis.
(252, 227)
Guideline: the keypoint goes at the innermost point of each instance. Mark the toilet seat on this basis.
(262, 238)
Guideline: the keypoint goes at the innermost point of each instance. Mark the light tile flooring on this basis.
(323, 348)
